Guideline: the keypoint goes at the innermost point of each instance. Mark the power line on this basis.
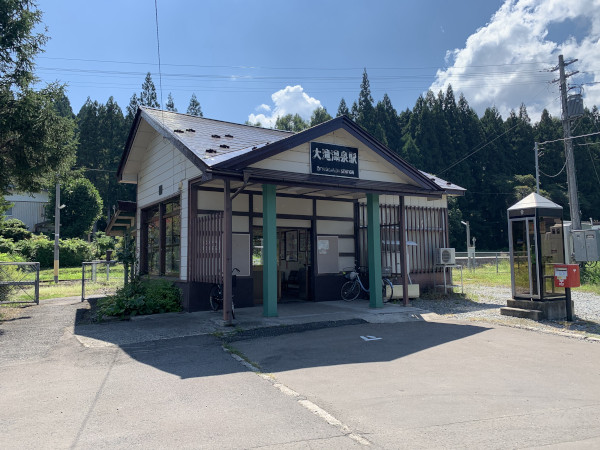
(570, 138)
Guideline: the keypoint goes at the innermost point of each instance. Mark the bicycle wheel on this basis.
(387, 293)
(216, 297)
(350, 290)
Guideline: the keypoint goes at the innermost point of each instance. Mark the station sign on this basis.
(333, 160)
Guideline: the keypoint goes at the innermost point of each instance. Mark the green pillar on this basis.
(269, 251)
(374, 247)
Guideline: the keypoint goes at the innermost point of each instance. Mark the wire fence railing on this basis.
(101, 277)
(475, 260)
(19, 282)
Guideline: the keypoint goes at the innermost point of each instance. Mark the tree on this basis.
(19, 45)
(170, 103)
(132, 108)
(36, 141)
(365, 112)
(194, 107)
(343, 109)
(319, 115)
(83, 206)
(103, 132)
(148, 94)
(291, 122)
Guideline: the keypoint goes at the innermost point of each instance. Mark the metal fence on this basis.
(19, 282)
(102, 277)
(500, 260)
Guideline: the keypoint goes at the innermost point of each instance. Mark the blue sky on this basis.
(264, 58)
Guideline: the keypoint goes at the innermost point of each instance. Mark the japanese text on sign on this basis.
(334, 160)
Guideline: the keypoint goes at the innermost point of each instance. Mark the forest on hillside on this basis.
(491, 156)
(42, 142)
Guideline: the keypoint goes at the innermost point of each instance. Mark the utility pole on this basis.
(571, 178)
(56, 228)
(537, 169)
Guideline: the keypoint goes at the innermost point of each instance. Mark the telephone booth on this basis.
(535, 233)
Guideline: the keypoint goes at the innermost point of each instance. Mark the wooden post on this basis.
(269, 251)
(227, 255)
(374, 247)
(403, 249)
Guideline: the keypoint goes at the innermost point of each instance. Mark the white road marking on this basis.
(370, 338)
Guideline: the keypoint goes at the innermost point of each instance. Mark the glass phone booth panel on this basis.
(524, 252)
(552, 252)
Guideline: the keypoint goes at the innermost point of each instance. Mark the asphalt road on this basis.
(444, 385)
(412, 384)
(182, 392)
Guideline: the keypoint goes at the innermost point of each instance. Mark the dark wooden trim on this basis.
(304, 196)
(192, 231)
(313, 251)
(280, 216)
(401, 219)
(162, 232)
(356, 233)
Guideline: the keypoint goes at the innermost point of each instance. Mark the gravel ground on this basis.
(482, 303)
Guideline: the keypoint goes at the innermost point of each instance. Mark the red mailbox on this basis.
(566, 275)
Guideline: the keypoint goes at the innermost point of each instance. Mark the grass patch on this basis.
(485, 275)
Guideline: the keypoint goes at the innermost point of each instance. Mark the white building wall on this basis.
(29, 209)
(166, 166)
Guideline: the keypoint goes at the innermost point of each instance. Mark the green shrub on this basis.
(6, 245)
(590, 274)
(72, 252)
(37, 249)
(141, 298)
(102, 243)
(14, 229)
(8, 257)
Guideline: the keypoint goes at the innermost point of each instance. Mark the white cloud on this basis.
(291, 100)
(503, 63)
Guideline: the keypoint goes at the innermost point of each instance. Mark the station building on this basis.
(290, 211)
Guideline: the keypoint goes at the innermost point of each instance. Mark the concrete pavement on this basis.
(391, 381)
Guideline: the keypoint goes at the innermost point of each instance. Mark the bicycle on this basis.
(216, 293)
(352, 288)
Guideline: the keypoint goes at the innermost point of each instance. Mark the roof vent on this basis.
(216, 136)
(191, 130)
(177, 130)
(224, 146)
(228, 135)
(210, 150)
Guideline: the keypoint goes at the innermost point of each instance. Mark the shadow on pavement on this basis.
(351, 344)
(176, 345)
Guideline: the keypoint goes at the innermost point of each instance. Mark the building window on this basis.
(9, 211)
(161, 244)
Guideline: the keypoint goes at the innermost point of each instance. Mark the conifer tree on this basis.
(343, 109)
(365, 113)
(194, 107)
(148, 94)
(319, 115)
(170, 103)
(132, 108)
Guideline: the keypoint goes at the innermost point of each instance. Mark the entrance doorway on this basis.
(294, 267)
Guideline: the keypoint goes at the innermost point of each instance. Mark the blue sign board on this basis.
(333, 160)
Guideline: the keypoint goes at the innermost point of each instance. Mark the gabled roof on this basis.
(204, 141)
(221, 147)
(534, 200)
